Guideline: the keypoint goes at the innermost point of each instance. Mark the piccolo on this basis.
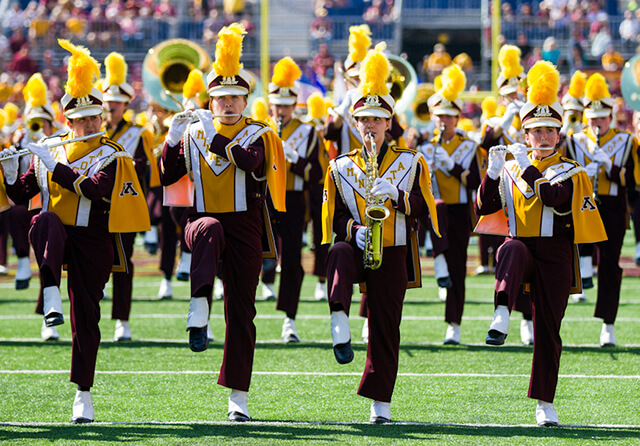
(188, 115)
(498, 149)
(23, 152)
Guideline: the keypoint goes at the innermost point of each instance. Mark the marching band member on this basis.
(399, 178)
(549, 206)
(507, 130)
(301, 148)
(233, 159)
(610, 157)
(137, 141)
(454, 164)
(88, 190)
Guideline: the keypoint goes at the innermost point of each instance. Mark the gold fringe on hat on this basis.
(194, 84)
(543, 80)
(35, 92)
(285, 73)
(316, 105)
(577, 84)
(453, 82)
(489, 107)
(229, 50)
(359, 42)
(374, 72)
(596, 88)
(509, 60)
(116, 69)
(82, 69)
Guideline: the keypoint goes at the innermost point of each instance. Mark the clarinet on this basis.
(596, 198)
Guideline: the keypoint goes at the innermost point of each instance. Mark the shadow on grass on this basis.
(321, 432)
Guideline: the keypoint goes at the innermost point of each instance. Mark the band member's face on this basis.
(375, 125)
(449, 123)
(539, 137)
(86, 126)
(602, 123)
(115, 111)
(286, 111)
(228, 105)
(160, 112)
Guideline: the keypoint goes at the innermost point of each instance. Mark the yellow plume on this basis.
(453, 82)
(229, 50)
(116, 69)
(359, 42)
(128, 115)
(597, 88)
(543, 80)
(82, 69)
(317, 106)
(12, 112)
(194, 84)
(260, 110)
(35, 92)
(374, 72)
(489, 107)
(509, 60)
(437, 82)
(3, 117)
(466, 124)
(141, 118)
(577, 84)
(286, 72)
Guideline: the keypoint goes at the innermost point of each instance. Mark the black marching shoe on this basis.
(53, 319)
(494, 337)
(22, 284)
(343, 352)
(379, 420)
(238, 417)
(444, 282)
(587, 283)
(198, 339)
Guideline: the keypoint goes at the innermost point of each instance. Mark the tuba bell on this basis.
(166, 67)
(404, 83)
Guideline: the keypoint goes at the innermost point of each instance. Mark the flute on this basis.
(23, 152)
(596, 198)
(499, 149)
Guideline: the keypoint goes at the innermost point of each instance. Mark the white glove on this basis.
(603, 159)
(497, 159)
(444, 159)
(592, 169)
(42, 151)
(176, 129)
(345, 105)
(383, 188)
(512, 109)
(566, 125)
(520, 153)
(360, 233)
(292, 156)
(10, 166)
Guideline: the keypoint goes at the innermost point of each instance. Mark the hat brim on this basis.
(372, 113)
(84, 112)
(278, 100)
(507, 89)
(603, 113)
(541, 122)
(446, 111)
(107, 97)
(228, 91)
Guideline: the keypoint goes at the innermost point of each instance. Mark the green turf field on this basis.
(154, 390)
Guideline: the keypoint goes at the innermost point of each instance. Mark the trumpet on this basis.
(23, 152)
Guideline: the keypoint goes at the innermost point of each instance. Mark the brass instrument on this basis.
(573, 118)
(35, 125)
(374, 213)
(596, 198)
(404, 83)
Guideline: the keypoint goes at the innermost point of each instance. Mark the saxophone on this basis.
(374, 213)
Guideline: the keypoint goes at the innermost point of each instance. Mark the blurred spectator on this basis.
(536, 55)
(577, 58)
(322, 65)
(523, 43)
(601, 40)
(612, 60)
(321, 28)
(628, 30)
(437, 61)
(22, 62)
(550, 51)
(164, 9)
(17, 40)
(210, 28)
(13, 20)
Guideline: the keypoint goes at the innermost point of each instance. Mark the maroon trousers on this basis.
(172, 227)
(235, 238)
(290, 228)
(546, 263)
(455, 228)
(123, 282)
(609, 272)
(54, 244)
(488, 246)
(386, 288)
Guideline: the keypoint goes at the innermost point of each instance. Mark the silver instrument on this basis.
(596, 198)
(23, 152)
